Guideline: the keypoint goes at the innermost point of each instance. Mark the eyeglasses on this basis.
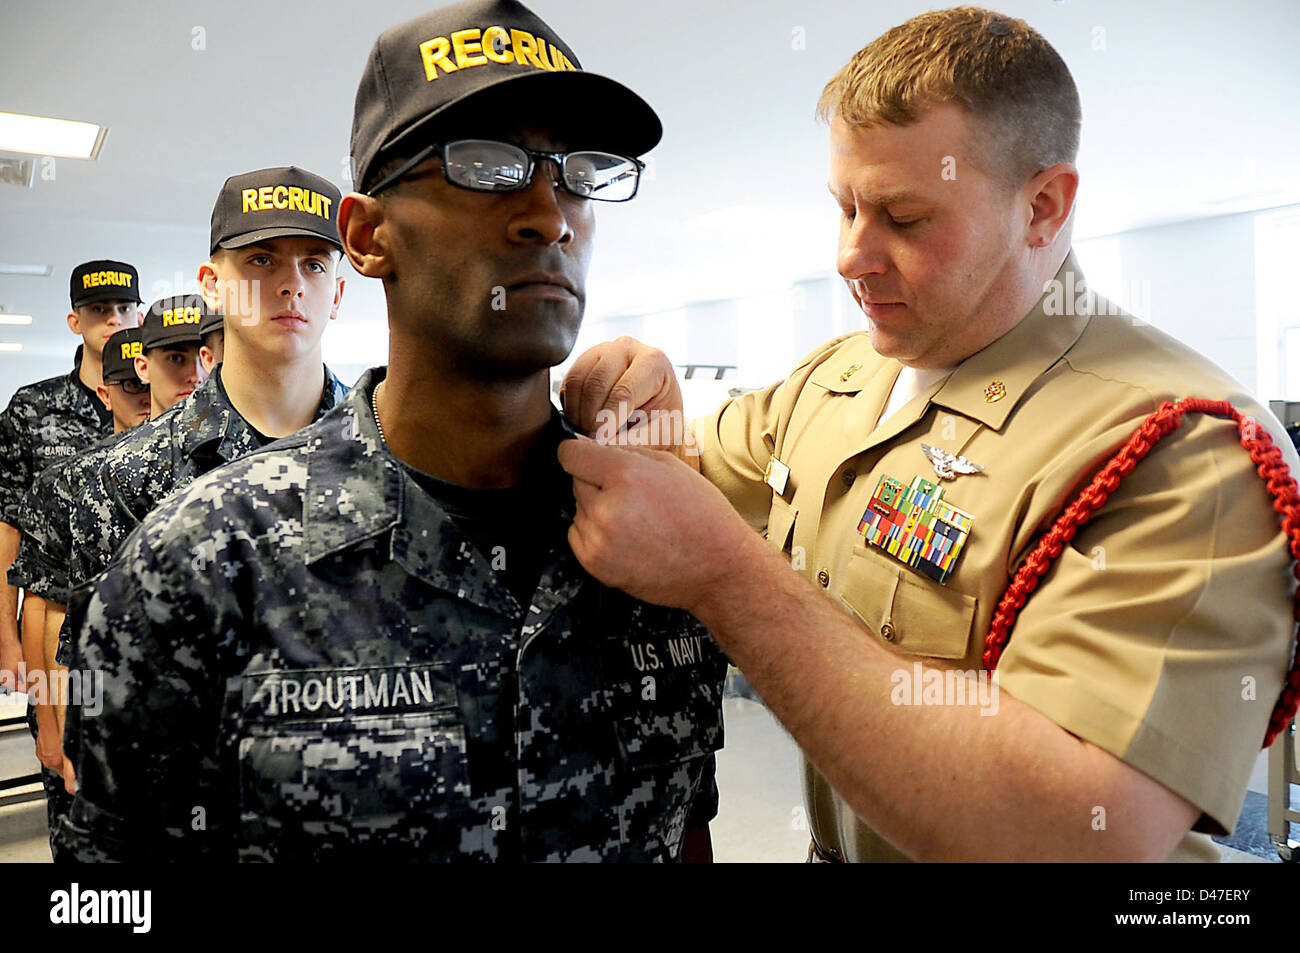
(485, 165)
(134, 388)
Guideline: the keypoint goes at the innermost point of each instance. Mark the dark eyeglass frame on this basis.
(142, 387)
(558, 158)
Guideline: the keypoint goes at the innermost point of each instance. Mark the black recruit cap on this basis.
(104, 281)
(174, 320)
(510, 63)
(273, 203)
(120, 353)
(212, 321)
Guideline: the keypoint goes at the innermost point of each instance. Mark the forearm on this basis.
(941, 782)
(33, 628)
(9, 639)
(54, 613)
(33, 634)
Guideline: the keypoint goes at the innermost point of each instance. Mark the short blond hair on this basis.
(999, 69)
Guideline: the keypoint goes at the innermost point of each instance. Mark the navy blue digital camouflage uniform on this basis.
(45, 520)
(187, 440)
(306, 659)
(45, 423)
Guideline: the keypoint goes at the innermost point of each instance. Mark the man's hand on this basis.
(48, 750)
(11, 671)
(610, 382)
(650, 525)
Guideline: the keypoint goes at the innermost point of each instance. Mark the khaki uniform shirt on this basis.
(1162, 631)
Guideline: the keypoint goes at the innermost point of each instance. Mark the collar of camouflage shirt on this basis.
(357, 490)
(208, 417)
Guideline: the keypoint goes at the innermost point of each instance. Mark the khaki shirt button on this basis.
(849, 477)
(887, 632)
(824, 578)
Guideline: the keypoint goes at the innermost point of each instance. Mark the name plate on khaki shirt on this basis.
(776, 475)
(914, 525)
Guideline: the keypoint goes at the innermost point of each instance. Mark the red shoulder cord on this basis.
(1167, 417)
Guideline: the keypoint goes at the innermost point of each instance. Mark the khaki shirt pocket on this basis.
(915, 614)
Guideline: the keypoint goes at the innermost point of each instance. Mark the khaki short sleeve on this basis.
(736, 443)
(1162, 633)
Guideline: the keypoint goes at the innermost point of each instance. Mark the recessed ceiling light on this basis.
(7, 346)
(37, 271)
(15, 319)
(44, 136)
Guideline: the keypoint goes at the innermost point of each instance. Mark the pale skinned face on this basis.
(278, 296)
(935, 261)
(213, 350)
(97, 322)
(128, 410)
(172, 373)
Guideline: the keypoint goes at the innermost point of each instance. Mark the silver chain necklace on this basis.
(374, 409)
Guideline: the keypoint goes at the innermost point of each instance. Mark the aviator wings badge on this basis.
(947, 466)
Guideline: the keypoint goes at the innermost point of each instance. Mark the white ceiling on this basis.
(1190, 110)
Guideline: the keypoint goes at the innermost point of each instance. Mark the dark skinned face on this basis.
(496, 283)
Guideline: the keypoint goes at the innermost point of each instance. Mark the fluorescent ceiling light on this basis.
(43, 136)
(38, 271)
(15, 319)
(6, 346)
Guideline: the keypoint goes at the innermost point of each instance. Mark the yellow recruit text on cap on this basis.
(132, 349)
(286, 198)
(472, 48)
(171, 317)
(96, 279)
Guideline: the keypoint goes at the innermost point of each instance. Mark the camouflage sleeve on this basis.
(100, 523)
(41, 567)
(20, 570)
(15, 463)
(144, 745)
